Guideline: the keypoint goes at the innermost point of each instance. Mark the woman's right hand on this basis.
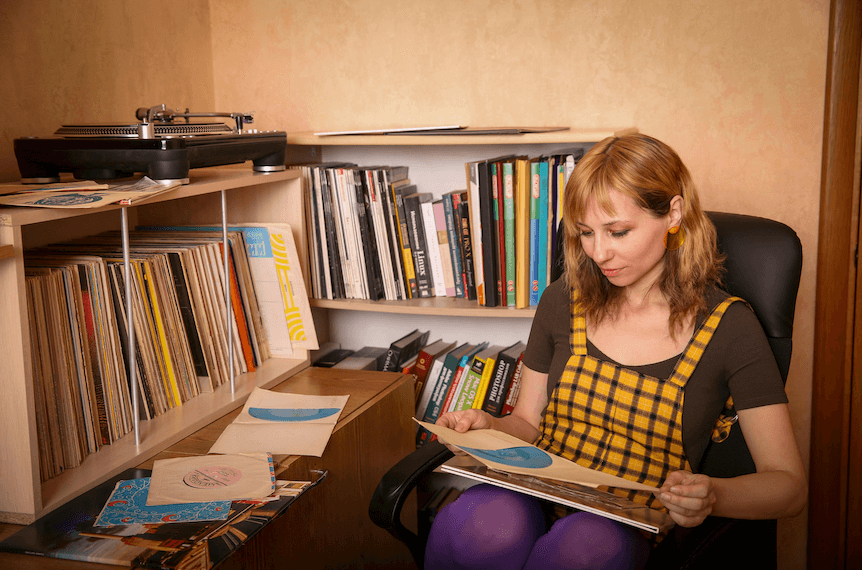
(463, 421)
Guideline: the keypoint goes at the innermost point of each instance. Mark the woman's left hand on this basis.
(688, 497)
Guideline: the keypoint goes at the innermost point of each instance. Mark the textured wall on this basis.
(97, 61)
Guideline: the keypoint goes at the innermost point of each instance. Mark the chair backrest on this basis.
(763, 265)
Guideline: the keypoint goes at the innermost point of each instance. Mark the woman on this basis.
(630, 360)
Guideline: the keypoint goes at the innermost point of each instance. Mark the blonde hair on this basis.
(652, 174)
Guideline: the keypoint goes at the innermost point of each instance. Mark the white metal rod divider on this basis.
(227, 291)
(130, 329)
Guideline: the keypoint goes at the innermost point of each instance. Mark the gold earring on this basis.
(674, 238)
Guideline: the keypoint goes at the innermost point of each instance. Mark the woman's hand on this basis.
(688, 497)
(463, 421)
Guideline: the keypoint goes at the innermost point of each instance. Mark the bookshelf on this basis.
(250, 197)
(436, 165)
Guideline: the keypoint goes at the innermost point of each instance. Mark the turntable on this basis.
(164, 145)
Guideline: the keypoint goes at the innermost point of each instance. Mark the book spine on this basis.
(490, 253)
(453, 238)
(475, 231)
(542, 269)
(390, 221)
(438, 278)
(482, 392)
(418, 245)
(472, 379)
(499, 229)
(370, 263)
(404, 239)
(514, 389)
(442, 226)
(428, 387)
(534, 234)
(334, 256)
(438, 397)
(522, 234)
(509, 230)
(499, 384)
(467, 260)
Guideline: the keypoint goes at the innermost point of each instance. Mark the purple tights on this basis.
(490, 527)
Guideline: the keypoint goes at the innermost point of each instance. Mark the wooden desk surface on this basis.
(328, 526)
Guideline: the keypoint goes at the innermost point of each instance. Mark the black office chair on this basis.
(763, 263)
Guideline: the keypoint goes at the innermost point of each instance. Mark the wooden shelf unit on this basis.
(250, 197)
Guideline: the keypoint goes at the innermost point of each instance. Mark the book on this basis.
(333, 357)
(459, 378)
(441, 388)
(386, 177)
(442, 225)
(418, 242)
(473, 374)
(581, 497)
(496, 182)
(501, 378)
(542, 265)
(474, 231)
(535, 194)
(467, 261)
(522, 233)
(426, 357)
(508, 233)
(453, 239)
(399, 190)
(403, 349)
(485, 380)
(435, 261)
(514, 388)
(371, 243)
(366, 358)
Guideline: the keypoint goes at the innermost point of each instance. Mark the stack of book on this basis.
(481, 376)
(375, 235)
(80, 350)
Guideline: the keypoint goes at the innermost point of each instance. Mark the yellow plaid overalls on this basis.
(612, 419)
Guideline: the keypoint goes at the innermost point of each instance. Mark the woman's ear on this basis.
(675, 212)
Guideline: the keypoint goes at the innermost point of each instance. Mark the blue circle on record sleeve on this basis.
(525, 456)
(291, 414)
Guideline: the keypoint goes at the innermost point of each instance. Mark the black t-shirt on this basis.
(737, 361)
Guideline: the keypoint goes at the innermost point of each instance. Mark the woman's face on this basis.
(627, 245)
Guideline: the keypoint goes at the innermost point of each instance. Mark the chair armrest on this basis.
(396, 485)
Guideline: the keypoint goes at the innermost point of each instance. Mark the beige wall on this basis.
(736, 87)
(97, 61)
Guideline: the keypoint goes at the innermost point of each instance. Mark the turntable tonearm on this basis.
(164, 145)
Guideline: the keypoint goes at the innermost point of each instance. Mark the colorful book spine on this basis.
(418, 245)
(534, 233)
(485, 381)
(509, 230)
(475, 230)
(467, 258)
(404, 238)
(453, 241)
(429, 223)
(514, 389)
(542, 270)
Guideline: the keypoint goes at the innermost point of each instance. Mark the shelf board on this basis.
(443, 306)
(163, 431)
(567, 136)
(201, 181)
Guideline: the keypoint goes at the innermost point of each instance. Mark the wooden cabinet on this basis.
(436, 165)
(250, 197)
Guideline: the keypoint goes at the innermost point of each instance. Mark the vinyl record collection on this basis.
(76, 299)
(375, 235)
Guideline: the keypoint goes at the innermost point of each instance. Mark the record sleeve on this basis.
(211, 478)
